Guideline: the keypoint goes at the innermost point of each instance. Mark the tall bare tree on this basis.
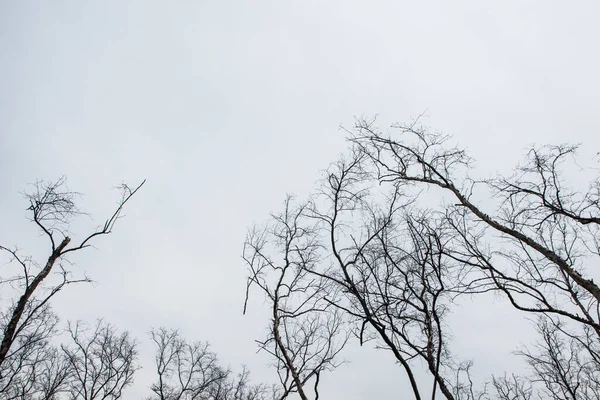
(393, 265)
(549, 231)
(26, 320)
(306, 332)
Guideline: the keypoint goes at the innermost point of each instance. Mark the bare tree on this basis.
(512, 388)
(238, 387)
(102, 361)
(393, 266)
(550, 228)
(549, 231)
(565, 363)
(35, 369)
(188, 371)
(306, 332)
(52, 208)
(27, 323)
(388, 281)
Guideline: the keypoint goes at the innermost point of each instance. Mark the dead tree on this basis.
(102, 361)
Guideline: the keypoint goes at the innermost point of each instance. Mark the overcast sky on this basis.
(226, 106)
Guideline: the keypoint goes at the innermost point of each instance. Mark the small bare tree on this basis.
(188, 371)
(564, 362)
(239, 388)
(102, 361)
(35, 369)
(512, 387)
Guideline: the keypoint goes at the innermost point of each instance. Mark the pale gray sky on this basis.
(225, 106)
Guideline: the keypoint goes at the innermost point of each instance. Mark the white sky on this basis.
(226, 106)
